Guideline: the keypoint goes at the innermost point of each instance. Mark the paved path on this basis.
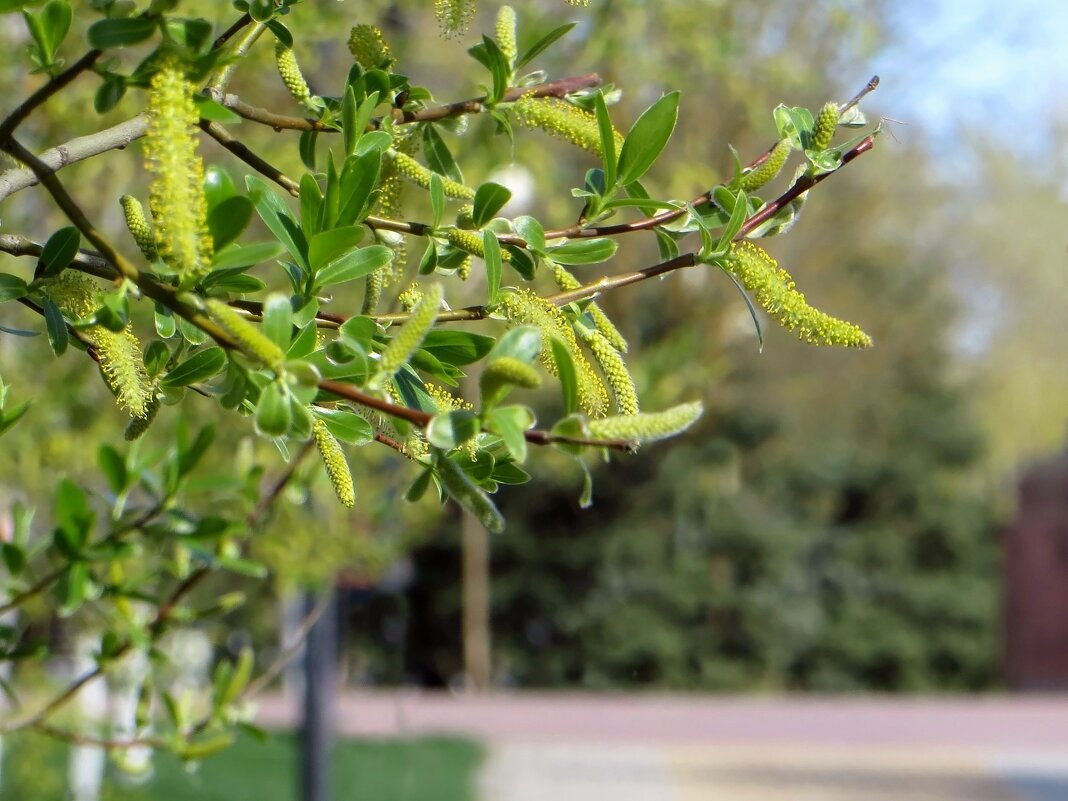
(677, 748)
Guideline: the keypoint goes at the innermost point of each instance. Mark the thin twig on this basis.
(245, 153)
(289, 653)
(56, 84)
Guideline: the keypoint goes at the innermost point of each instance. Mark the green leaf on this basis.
(532, 231)
(278, 218)
(198, 367)
(462, 490)
(438, 156)
(437, 200)
(273, 415)
(12, 287)
(55, 325)
(648, 137)
(752, 309)
(355, 264)
(229, 219)
(608, 141)
(306, 146)
(494, 264)
(156, 356)
(241, 257)
(113, 466)
(209, 109)
(278, 319)
(348, 121)
(346, 426)
(565, 368)
(59, 251)
(110, 33)
(14, 558)
(489, 199)
(73, 514)
(523, 343)
(541, 44)
(109, 93)
(490, 56)
(330, 245)
(359, 177)
(456, 347)
(451, 429)
(584, 251)
(509, 423)
(734, 224)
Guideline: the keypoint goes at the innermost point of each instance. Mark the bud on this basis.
(826, 123)
(506, 33)
(138, 226)
(334, 460)
(774, 290)
(766, 172)
(289, 69)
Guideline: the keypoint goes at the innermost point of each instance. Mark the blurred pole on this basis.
(476, 588)
(320, 695)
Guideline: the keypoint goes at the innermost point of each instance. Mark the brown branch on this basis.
(243, 152)
(56, 84)
(279, 122)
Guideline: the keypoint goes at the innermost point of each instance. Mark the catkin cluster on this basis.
(768, 169)
(249, 337)
(523, 307)
(412, 332)
(454, 15)
(506, 33)
(289, 70)
(563, 120)
(419, 175)
(774, 290)
(639, 428)
(567, 282)
(117, 352)
(334, 461)
(176, 197)
(369, 47)
(826, 123)
(137, 224)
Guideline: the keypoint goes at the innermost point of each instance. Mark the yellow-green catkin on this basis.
(580, 3)
(524, 307)
(563, 120)
(454, 15)
(410, 297)
(824, 128)
(639, 428)
(369, 48)
(419, 175)
(615, 372)
(445, 401)
(334, 461)
(372, 291)
(504, 372)
(766, 172)
(289, 70)
(118, 352)
(471, 242)
(506, 33)
(774, 290)
(176, 196)
(252, 341)
(567, 282)
(412, 332)
(138, 425)
(138, 226)
(463, 272)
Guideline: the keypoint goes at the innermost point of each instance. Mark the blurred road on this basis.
(679, 748)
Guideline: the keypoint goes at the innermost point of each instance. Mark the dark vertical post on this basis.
(320, 679)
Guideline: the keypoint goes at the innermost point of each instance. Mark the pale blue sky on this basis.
(963, 64)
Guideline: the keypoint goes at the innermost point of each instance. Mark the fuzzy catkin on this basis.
(176, 196)
(615, 372)
(118, 352)
(766, 172)
(337, 468)
(412, 332)
(454, 15)
(289, 70)
(567, 282)
(563, 120)
(506, 33)
(523, 307)
(824, 128)
(639, 428)
(471, 242)
(137, 224)
(139, 424)
(774, 290)
(420, 175)
(369, 47)
(249, 337)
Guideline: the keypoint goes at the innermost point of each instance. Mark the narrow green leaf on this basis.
(541, 44)
(489, 199)
(229, 219)
(346, 426)
(437, 199)
(59, 251)
(608, 142)
(331, 245)
(278, 218)
(113, 466)
(531, 230)
(494, 264)
(355, 264)
(584, 251)
(456, 347)
(11, 287)
(110, 33)
(278, 319)
(55, 325)
(565, 369)
(241, 257)
(462, 490)
(451, 429)
(523, 343)
(438, 156)
(648, 137)
(198, 367)
(348, 121)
